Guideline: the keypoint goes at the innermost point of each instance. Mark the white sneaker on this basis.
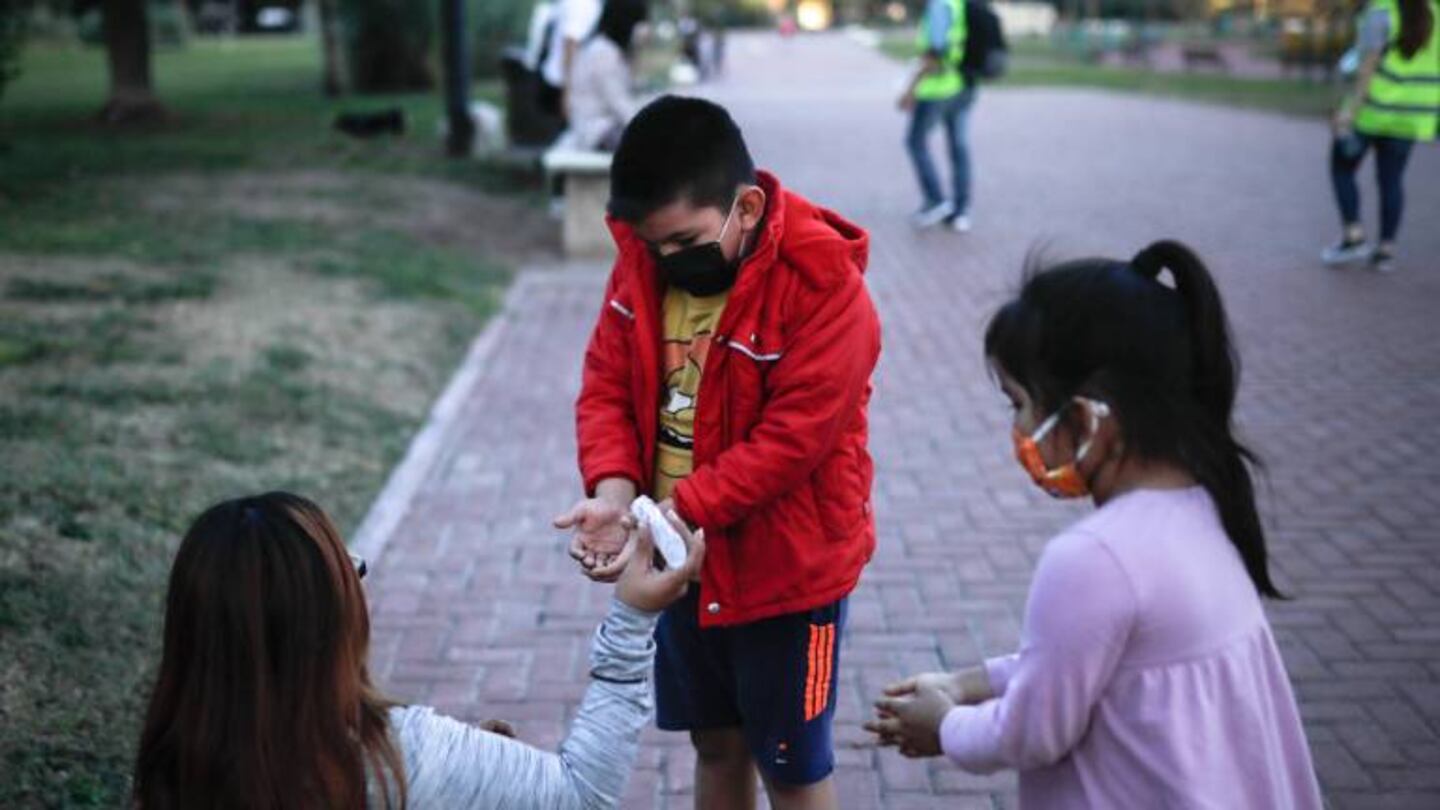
(960, 223)
(1345, 251)
(932, 215)
(1382, 261)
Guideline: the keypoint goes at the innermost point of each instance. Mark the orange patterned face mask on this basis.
(1063, 481)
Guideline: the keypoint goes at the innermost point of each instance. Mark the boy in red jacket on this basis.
(728, 378)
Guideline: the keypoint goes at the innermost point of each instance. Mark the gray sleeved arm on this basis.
(451, 764)
(1374, 32)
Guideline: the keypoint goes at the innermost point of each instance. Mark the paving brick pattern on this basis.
(478, 610)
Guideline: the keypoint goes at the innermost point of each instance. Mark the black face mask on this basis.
(701, 270)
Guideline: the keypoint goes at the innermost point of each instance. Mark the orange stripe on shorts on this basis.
(827, 666)
(810, 673)
(820, 666)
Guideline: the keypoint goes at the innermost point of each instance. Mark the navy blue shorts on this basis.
(773, 679)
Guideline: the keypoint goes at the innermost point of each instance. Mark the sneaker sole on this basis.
(1351, 256)
(929, 220)
(1337, 261)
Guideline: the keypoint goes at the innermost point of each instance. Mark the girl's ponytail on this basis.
(1215, 368)
(1212, 453)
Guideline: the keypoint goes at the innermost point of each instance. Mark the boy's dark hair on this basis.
(678, 148)
(1160, 356)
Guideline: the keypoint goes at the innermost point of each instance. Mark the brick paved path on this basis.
(479, 612)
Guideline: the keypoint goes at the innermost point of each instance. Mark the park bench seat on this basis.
(587, 189)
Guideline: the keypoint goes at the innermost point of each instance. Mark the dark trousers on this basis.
(953, 113)
(1391, 155)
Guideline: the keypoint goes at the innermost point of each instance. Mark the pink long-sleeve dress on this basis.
(1147, 674)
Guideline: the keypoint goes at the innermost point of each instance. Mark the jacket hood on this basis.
(818, 242)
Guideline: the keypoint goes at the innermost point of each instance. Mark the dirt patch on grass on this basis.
(514, 231)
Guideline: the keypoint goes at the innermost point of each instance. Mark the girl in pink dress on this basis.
(1147, 674)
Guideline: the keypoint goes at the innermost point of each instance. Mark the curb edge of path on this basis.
(393, 502)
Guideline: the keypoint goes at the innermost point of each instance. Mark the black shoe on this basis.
(1382, 261)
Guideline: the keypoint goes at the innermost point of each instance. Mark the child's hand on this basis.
(912, 724)
(643, 586)
(602, 528)
(948, 682)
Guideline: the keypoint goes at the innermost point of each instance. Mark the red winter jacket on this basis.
(782, 475)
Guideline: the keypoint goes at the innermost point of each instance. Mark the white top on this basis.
(539, 26)
(577, 21)
(600, 98)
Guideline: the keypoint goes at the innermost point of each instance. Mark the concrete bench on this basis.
(587, 189)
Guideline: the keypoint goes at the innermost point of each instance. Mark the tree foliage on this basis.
(13, 15)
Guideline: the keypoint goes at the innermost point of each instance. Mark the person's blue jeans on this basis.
(1391, 155)
(952, 113)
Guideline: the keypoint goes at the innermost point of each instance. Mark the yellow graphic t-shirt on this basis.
(690, 323)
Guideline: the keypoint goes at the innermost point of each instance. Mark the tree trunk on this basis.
(336, 79)
(461, 137)
(388, 50)
(127, 45)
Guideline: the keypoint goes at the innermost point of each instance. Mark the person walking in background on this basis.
(543, 19)
(575, 21)
(1396, 103)
(1147, 674)
(601, 99)
(938, 93)
(263, 698)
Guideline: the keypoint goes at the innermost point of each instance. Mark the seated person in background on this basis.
(600, 98)
(263, 698)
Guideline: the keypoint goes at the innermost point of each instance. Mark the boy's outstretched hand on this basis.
(645, 587)
(602, 528)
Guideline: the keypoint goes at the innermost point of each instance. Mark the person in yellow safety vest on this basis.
(938, 93)
(1396, 103)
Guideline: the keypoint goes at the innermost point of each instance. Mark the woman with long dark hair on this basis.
(1147, 674)
(263, 699)
(1396, 102)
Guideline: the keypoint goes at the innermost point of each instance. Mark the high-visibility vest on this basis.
(948, 81)
(1403, 100)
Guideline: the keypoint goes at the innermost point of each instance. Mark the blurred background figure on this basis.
(939, 93)
(1394, 103)
(601, 94)
(787, 26)
(543, 19)
(575, 21)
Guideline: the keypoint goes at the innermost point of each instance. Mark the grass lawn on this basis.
(252, 102)
(234, 301)
(1038, 63)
